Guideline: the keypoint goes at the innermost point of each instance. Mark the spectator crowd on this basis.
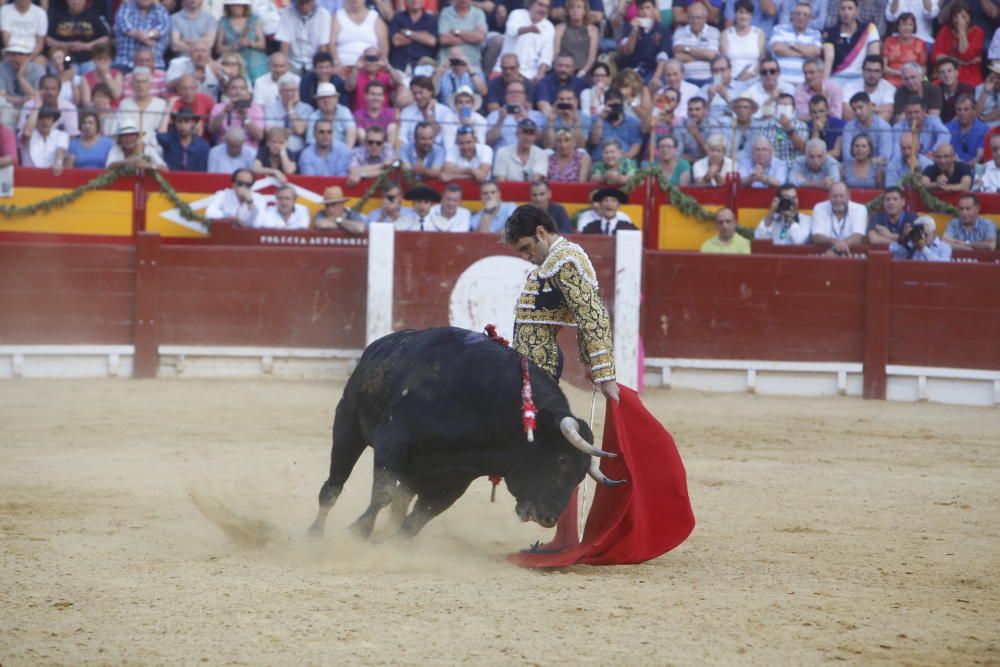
(831, 94)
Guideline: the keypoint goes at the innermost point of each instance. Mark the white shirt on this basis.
(532, 48)
(509, 167)
(826, 223)
(304, 37)
(265, 88)
(796, 233)
(699, 70)
(791, 66)
(224, 204)
(484, 155)
(765, 106)
(885, 92)
(925, 19)
(456, 223)
(990, 181)
(410, 116)
(24, 28)
(42, 151)
(116, 154)
(591, 215)
(429, 223)
(271, 219)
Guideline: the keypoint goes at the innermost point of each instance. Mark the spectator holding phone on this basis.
(455, 73)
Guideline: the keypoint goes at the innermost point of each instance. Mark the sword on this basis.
(581, 518)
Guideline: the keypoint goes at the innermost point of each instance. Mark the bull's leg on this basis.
(390, 452)
(401, 505)
(429, 506)
(348, 445)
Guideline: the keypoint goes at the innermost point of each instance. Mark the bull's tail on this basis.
(348, 445)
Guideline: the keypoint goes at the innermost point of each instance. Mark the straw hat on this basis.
(333, 195)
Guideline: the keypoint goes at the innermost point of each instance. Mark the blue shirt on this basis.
(834, 130)
(508, 132)
(498, 221)
(178, 158)
(659, 39)
(935, 251)
(967, 144)
(818, 20)
(627, 133)
(897, 168)
(984, 230)
(401, 56)
(130, 18)
(933, 134)
(94, 157)
(882, 218)
(335, 163)
(880, 133)
(343, 120)
(548, 87)
(435, 158)
(221, 162)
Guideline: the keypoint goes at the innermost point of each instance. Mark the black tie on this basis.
(421, 224)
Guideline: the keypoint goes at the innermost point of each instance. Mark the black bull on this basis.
(442, 407)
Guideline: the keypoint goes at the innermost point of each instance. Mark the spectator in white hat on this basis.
(328, 107)
(131, 151)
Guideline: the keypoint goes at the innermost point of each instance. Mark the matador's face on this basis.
(532, 248)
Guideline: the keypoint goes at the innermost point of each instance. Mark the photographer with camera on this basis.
(238, 111)
(613, 123)
(921, 243)
(454, 73)
(783, 224)
(892, 223)
(564, 115)
(503, 122)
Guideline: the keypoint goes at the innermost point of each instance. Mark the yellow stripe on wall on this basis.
(105, 213)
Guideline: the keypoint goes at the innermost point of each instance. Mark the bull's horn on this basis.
(569, 428)
(595, 473)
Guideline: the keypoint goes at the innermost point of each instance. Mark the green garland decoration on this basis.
(182, 206)
(390, 172)
(99, 183)
(65, 199)
(683, 202)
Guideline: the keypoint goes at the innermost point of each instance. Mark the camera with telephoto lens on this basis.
(785, 204)
(616, 110)
(916, 235)
(456, 62)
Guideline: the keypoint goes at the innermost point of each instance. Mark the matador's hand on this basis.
(609, 389)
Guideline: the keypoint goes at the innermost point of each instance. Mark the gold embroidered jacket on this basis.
(563, 292)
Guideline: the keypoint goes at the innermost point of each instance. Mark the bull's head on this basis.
(543, 479)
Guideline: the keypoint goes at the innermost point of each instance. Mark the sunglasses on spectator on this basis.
(375, 142)
(391, 198)
(769, 71)
(244, 184)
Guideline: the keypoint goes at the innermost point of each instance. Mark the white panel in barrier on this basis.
(381, 265)
(628, 294)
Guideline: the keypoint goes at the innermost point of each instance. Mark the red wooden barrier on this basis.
(295, 297)
(945, 315)
(753, 307)
(66, 294)
(876, 323)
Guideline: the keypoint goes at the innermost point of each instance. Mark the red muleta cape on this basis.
(642, 519)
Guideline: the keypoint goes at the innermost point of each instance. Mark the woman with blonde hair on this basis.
(568, 163)
(578, 36)
(638, 99)
(272, 156)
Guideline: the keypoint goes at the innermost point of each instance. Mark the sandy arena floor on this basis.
(828, 530)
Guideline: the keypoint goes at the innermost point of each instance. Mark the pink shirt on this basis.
(364, 121)
(834, 99)
(8, 144)
(255, 115)
(359, 90)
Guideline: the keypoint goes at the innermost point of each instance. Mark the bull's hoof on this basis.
(315, 532)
